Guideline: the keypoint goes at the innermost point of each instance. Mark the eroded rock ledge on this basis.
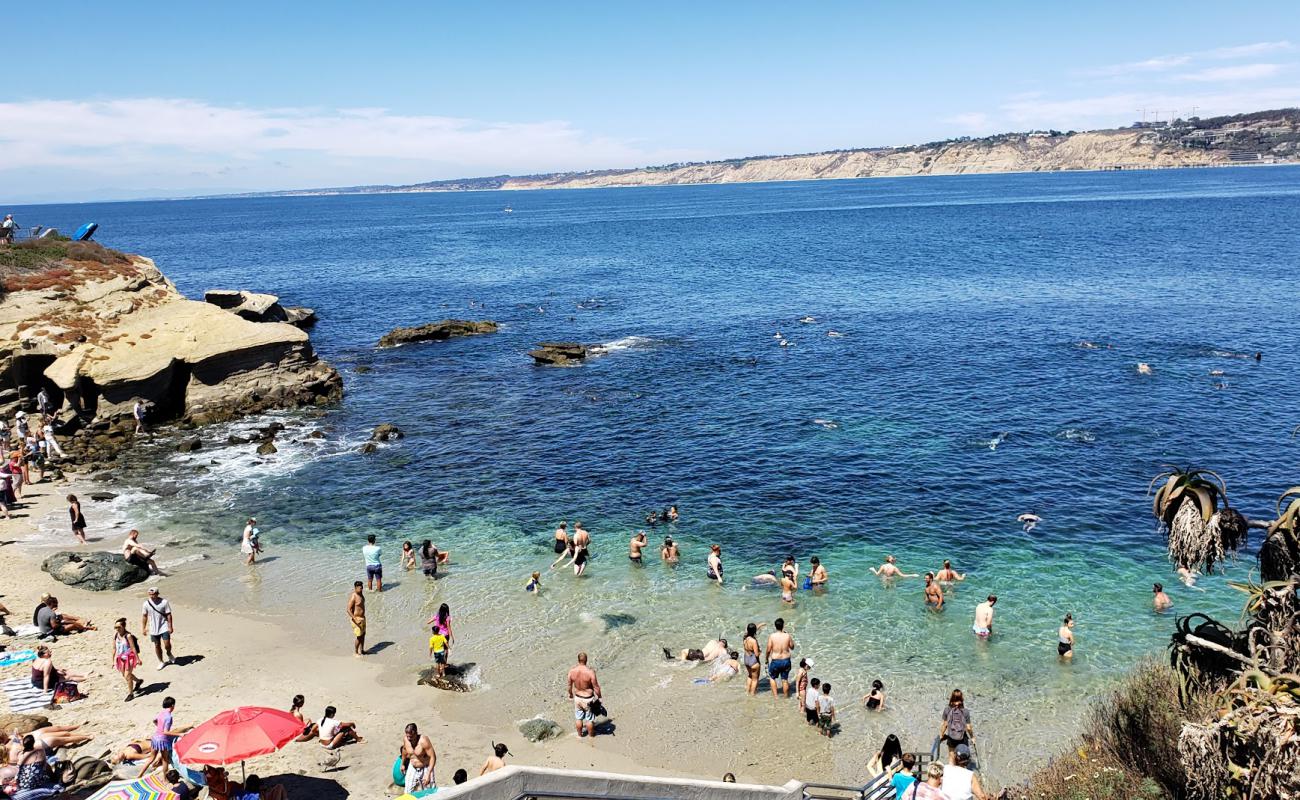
(100, 335)
(437, 331)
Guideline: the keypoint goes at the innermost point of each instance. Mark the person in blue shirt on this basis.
(904, 777)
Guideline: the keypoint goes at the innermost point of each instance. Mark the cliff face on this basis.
(98, 334)
(1098, 150)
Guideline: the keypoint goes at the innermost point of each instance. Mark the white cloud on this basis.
(1248, 50)
(1241, 72)
(1166, 63)
(177, 142)
(1122, 108)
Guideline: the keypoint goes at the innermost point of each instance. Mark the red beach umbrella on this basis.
(237, 735)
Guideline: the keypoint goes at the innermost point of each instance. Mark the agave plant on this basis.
(1279, 556)
(1200, 527)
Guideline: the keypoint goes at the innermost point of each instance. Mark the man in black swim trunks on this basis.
(635, 546)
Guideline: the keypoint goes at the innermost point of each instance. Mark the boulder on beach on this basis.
(539, 729)
(22, 723)
(101, 497)
(437, 331)
(452, 681)
(559, 354)
(386, 431)
(189, 445)
(98, 572)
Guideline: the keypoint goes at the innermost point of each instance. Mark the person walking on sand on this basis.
(714, 570)
(247, 546)
(357, 615)
(441, 622)
(495, 761)
(374, 558)
(890, 569)
(635, 547)
(1065, 638)
(164, 737)
(418, 760)
(780, 646)
(983, 626)
(157, 621)
(78, 519)
(584, 690)
(126, 656)
(933, 593)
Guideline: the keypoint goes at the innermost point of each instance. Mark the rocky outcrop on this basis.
(559, 354)
(256, 307)
(386, 431)
(98, 572)
(22, 723)
(99, 339)
(437, 331)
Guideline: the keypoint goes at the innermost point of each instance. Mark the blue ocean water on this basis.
(990, 332)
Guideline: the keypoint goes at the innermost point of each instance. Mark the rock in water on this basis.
(189, 445)
(613, 621)
(300, 316)
(448, 683)
(559, 354)
(437, 331)
(98, 572)
(539, 729)
(99, 497)
(367, 448)
(386, 431)
(252, 306)
(266, 449)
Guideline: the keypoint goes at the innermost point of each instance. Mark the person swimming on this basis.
(534, 584)
(669, 553)
(1029, 521)
(875, 699)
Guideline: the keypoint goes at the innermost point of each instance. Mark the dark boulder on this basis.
(189, 445)
(437, 331)
(367, 448)
(98, 572)
(234, 439)
(102, 497)
(386, 431)
(300, 316)
(266, 449)
(559, 354)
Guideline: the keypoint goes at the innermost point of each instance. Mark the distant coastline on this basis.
(1258, 138)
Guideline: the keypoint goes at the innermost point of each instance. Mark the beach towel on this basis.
(20, 657)
(25, 631)
(23, 696)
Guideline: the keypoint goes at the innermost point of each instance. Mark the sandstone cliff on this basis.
(99, 329)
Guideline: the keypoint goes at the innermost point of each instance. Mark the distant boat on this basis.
(508, 210)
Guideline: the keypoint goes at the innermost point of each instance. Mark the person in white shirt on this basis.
(959, 782)
(810, 700)
(156, 621)
(51, 445)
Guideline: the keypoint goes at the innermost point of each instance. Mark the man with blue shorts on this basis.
(780, 646)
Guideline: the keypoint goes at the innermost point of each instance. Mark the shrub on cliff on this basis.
(37, 264)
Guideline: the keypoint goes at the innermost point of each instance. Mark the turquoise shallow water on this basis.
(991, 331)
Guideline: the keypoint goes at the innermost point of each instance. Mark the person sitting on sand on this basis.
(219, 784)
(46, 676)
(178, 787)
(53, 623)
(333, 734)
(255, 789)
(34, 776)
(138, 554)
(309, 728)
(495, 761)
(890, 569)
(709, 652)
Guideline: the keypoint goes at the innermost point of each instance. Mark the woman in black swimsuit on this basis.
(561, 538)
(429, 559)
(875, 701)
(78, 519)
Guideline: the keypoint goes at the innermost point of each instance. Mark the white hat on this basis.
(810, 663)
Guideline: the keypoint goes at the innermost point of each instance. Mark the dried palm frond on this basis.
(1203, 762)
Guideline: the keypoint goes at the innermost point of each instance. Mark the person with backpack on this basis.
(126, 657)
(956, 729)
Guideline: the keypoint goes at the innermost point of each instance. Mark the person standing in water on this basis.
(357, 615)
(561, 543)
(780, 646)
(246, 546)
(581, 549)
(429, 559)
(715, 564)
(441, 622)
(78, 519)
(787, 588)
(948, 574)
(890, 569)
(933, 592)
(584, 689)
(670, 554)
(983, 626)
(635, 546)
(1160, 600)
(1065, 637)
(534, 585)
(374, 558)
(818, 578)
(750, 658)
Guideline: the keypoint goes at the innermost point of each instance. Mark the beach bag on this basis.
(66, 692)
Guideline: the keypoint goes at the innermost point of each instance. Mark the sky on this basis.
(140, 99)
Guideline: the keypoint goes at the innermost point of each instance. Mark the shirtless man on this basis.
(357, 616)
(948, 574)
(818, 576)
(138, 554)
(1160, 600)
(495, 761)
(890, 569)
(583, 688)
(635, 546)
(933, 592)
(670, 553)
(983, 626)
(710, 652)
(418, 759)
(581, 545)
(780, 645)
